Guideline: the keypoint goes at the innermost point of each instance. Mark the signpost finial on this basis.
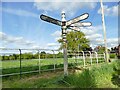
(63, 16)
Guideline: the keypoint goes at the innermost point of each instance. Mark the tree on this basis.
(27, 56)
(5, 57)
(75, 41)
(36, 56)
(100, 49)
(43, 54)
(11, 57)
(59, 55)
(16, 56)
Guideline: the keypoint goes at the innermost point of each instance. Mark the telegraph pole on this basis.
(64, 33)
(104, 31)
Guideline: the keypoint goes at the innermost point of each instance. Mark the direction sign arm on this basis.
(74, 28)
(50, 20)
(77, 19)
(81, 24)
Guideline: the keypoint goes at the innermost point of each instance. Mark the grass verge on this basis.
(101, 76)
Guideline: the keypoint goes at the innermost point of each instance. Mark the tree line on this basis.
(27, 56)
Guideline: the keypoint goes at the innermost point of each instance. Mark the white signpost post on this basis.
(71, 24)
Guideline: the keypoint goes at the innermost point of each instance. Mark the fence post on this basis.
(104, 57)
(78, 58)
(83, 58)
(39, 60)
(20, 64)
(90, 57)
(54, 58)
(96, 57)
(75, 57)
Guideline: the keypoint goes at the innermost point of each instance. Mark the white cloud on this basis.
(1, 47)
(53, 44)
(20, 42)
(16, 40)
(91, 30)
(56, 33)
(112, 42)
(36, 46)
(48, 46)
(2, 35)
(70, 7)
(19, 12)
(109, 11)
(94, 36)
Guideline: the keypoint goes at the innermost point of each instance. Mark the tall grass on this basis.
(97, 76)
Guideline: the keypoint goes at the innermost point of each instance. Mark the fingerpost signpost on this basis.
(73, 24)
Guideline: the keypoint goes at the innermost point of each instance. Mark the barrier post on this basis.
(90, 58)
(54, 58)
(39, 61)
(20, 64)
(104, 57)
(96, 57)
(83, 58)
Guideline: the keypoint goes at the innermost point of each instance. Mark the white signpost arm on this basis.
(74, 28)
(77, 19)
(81, 24)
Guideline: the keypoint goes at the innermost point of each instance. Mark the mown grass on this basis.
(32, 62)
(9, 67)
(35, 62)
(33, 68)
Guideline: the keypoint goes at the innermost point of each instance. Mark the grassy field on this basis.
(35, 62)
(13, 66)
(105, 75)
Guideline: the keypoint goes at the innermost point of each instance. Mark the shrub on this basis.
(112, 55)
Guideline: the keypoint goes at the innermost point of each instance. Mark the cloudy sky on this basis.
(22, 27)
